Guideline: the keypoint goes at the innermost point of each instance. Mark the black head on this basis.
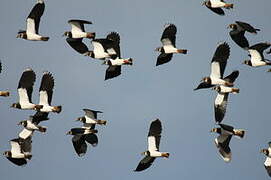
(67, 34)
(81, 119)
(216, 130)
(265, 151)
(22, 34)
(146, 153)
(7, 153)
(16, 105)
(206, 3)
(247, 62)
(233, 26)
(23, 123)
(160, 49)
(207, 80)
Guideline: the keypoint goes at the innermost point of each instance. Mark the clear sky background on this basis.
(141, 94)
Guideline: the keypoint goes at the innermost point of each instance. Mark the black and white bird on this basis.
(217, 5)
(168, 40)
(115, 63)
(32, 24)
(78, 30)
(29, 127)
(46, 94)
(3, 93)
(153, 152)
(81, 136)
(218, 66)
(238, 33)
(91, 117)
(267, 163)
(221, 100)
(25, 89)
(256, 55)
(223, 140)
(20, 151)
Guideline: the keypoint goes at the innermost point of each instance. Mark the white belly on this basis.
(46, 109)
(217, 4)
(79, 34)
(27, 106)
(170, 49)
(217, 81)
(155, 154)
(225, 89)
(33, 37)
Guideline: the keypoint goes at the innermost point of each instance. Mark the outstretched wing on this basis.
(239, 38)
(112, 71)
(154, 135)
(247, 27)
(46, 88)
(77, 45)
(145, 163)
(169, 35)
(91, 113)
(219, 60)
(33, 19)
(220, 106)
(79, 144)
(25, 87)
(78, 25)
(163, 58)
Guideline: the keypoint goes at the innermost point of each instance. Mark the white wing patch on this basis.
(217, 3)
(215, 70)
(219, 99)
(76, 28)
(30, 26)
(25, 133)
(152, 144)
(43, 98)
(267, 161)
(23, 97)
(15, 147)
(98, 49)
(255, 56)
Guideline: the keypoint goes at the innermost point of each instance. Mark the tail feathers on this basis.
(4, 93)
(235, 90)
(28, 156)
(228, 6)
(44, 38)
(57, 109)
(182, 51)
(239, 132)
(102, 122)
(42, 129)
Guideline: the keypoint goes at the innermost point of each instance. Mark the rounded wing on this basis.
(219, 60)
(25, 87)
(46, 88)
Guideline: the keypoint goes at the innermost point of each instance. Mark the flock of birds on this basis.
(108, 50)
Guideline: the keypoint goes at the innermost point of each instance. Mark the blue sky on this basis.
(141, 94)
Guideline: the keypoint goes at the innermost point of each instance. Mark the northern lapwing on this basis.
(256, 55)
(238, 33)
(91, 117)
(223, 140)
(25, 89)
(221, 100)
(168, 40)
(218, 65)
(32, 24)
(78, 30)
(267, 163)
(115, 63)
(20, 151)
(46, 93)
(29, 127)
(153, 152)
(82, 135)
(217, 5)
